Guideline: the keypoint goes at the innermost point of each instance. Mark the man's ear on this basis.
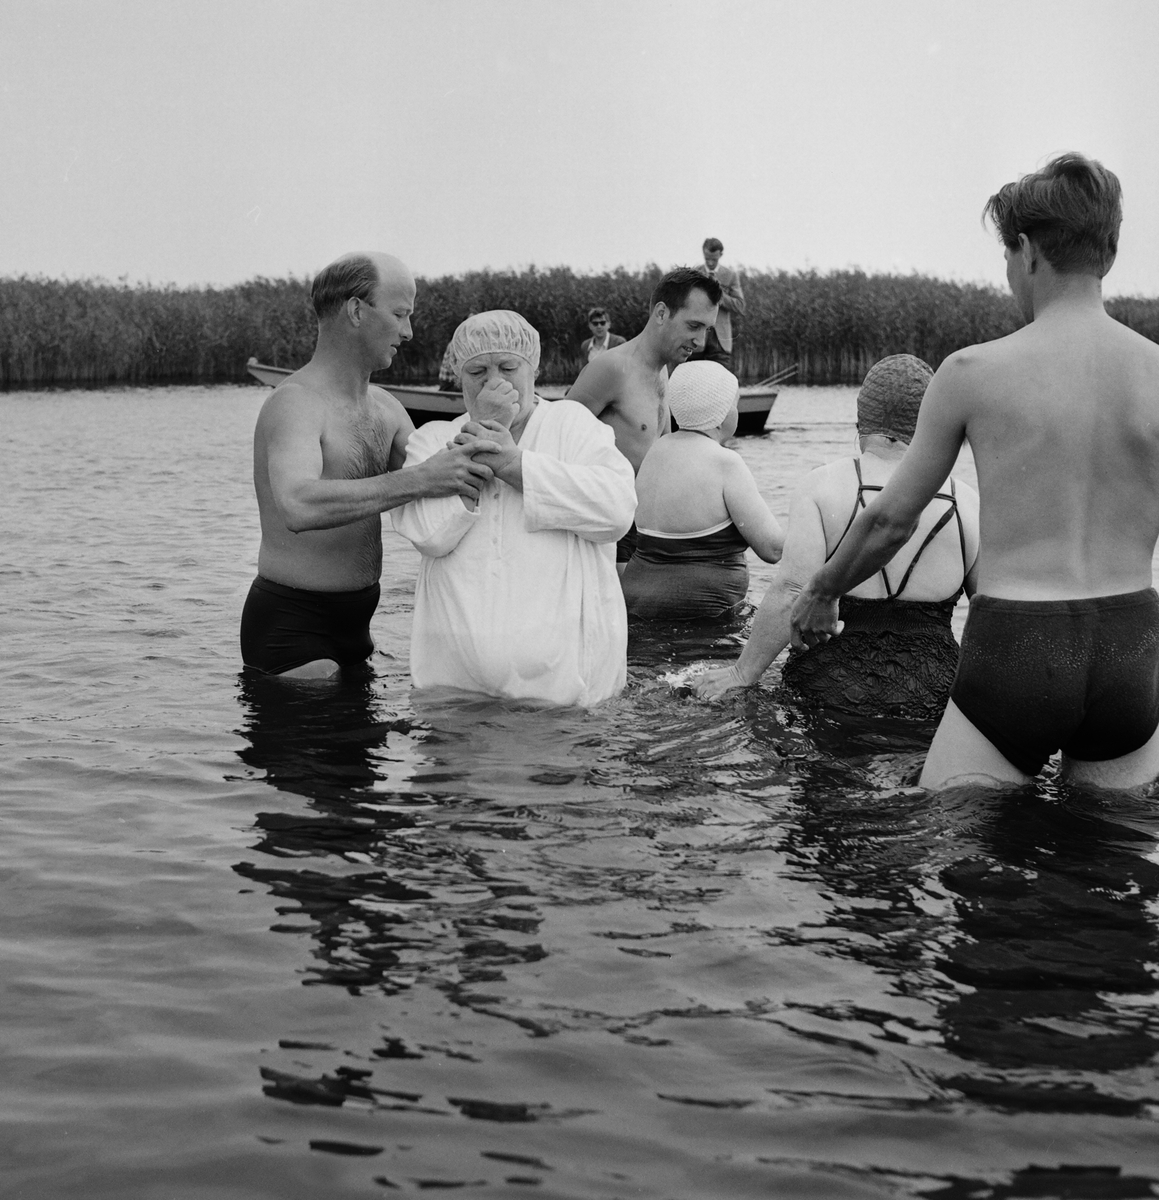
(353, 308)
(660, 313)
(1029, 254)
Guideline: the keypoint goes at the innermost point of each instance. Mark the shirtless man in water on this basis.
(328, 459)
(624, 386)
(1061, 648)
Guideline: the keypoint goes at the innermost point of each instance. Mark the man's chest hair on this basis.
(359, 446)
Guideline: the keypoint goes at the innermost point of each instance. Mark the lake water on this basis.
(269, 941)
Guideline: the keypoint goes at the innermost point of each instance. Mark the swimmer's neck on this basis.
(1067, 293)
(713, 435)
(651, 349)
(878, 445)
(1044, 294)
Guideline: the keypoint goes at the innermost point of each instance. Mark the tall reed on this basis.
(832, 326)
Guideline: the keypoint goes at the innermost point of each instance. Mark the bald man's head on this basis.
(356, 275)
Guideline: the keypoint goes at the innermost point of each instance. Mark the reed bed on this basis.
(832, 326)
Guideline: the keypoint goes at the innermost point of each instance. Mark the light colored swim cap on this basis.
(499, 330)
(891, 395)
(701, 394)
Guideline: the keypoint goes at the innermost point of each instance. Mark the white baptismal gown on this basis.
(520, 597)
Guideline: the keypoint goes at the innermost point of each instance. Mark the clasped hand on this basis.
(496, 449)
(813, 619)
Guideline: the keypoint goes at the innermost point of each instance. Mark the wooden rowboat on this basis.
(753, 408)
(430, 404)
(421, 403)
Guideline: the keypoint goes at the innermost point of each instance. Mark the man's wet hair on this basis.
(1071, 210)
(598, 312)
(712, 245)
(334, 285)
(674, 288)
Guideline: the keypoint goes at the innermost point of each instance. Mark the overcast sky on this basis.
(193, 141)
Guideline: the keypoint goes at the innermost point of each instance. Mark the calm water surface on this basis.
(274, 941)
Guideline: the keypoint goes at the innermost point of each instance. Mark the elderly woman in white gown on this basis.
(517, 593)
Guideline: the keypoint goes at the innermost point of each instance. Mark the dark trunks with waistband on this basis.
(284, 627)
(1080, 676)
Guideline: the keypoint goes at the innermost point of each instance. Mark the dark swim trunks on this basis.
(626, 546)
(1080, 676)
(284, 627)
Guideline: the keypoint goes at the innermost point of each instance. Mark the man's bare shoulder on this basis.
(973, 371)
(599, 384)
(389, 405)
(1141, 350)
(979, 358)
(292, 401)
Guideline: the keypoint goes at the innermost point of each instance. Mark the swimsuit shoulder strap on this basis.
(939, 525)
(859, 503)
(862, 488)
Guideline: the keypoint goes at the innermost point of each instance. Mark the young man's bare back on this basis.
(328, 455)
(625, 386)
(1061, 649)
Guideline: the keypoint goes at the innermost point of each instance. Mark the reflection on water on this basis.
(754, 903)
(1057, 938)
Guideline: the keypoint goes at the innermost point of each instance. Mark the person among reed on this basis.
(602, 338)
(698, 508)
(897, 655)
(1061, 647)
(328, 460)
(718, 342)
(447, 380)
(625, 386)
(517, 592)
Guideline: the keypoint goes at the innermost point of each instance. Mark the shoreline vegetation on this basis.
(833, 327)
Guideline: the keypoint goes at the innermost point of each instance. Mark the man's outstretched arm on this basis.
(306, 500)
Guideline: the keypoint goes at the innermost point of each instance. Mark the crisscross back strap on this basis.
(941, 523)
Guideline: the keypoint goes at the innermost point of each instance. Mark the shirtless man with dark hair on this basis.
(328, 460)
(625, 385)
(1061, 648)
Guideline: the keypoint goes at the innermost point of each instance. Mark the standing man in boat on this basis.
(328, 460)
(625, 385)
(1061, 647)
(718, 343)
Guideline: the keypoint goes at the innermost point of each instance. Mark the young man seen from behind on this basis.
(1061, 648)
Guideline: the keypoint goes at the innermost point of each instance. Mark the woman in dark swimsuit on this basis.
(897, 654)
(699, 508)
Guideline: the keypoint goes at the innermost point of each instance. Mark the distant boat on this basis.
(430, 404)
(421, 403)
(753, 408)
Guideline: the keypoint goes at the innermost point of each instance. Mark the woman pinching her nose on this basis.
(518, 595)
